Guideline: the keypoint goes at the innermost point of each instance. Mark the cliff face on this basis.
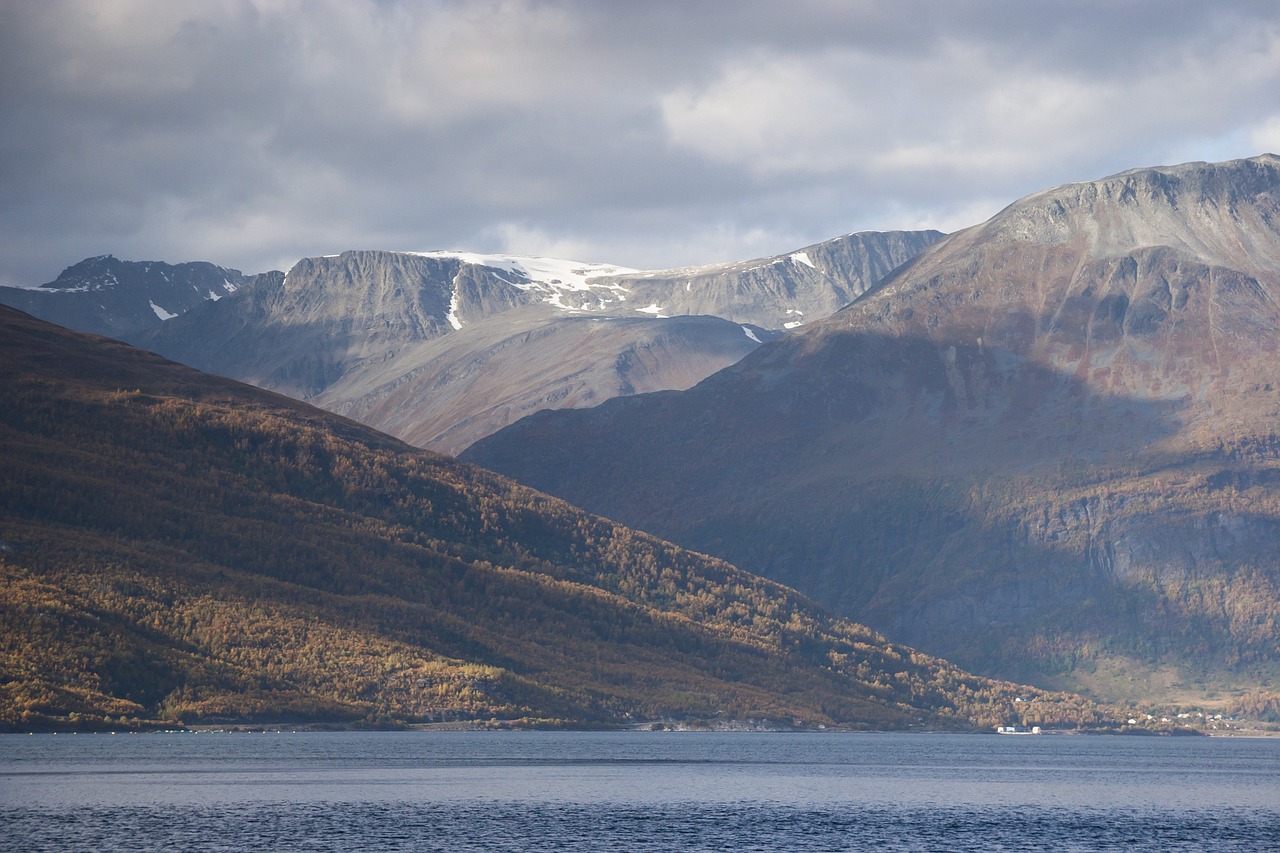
(300, 335)
(1047, 446)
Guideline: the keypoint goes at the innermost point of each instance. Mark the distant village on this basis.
(1189, 722)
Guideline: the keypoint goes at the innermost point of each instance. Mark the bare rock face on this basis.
(1046, 447)
(328, 314)
(443, 348)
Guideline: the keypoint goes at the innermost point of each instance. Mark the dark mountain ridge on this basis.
(125, 299)
(1045, 447)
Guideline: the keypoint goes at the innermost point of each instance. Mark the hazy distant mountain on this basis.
(1046, 447)
(179, 546)
(443, 348)
(123, 299)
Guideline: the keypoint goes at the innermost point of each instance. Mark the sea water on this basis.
(635, 791)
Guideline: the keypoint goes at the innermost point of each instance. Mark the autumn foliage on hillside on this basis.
(177, 547)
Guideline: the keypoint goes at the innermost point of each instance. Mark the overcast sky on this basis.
(252, 133)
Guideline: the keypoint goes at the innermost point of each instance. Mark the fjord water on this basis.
(522, 791)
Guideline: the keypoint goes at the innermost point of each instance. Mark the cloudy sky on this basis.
(255, 132)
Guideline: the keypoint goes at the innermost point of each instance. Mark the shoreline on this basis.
(657, 727)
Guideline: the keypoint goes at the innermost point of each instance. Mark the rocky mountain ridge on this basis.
(781, 292)
(124, 299)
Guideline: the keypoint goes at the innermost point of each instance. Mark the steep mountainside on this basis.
(124, 299)
(1047, 447)
(179, 546)
(397, 339)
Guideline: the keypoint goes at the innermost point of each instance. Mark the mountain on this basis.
(1046, 447)
(123, 299)
(408, 343)
(443, 348)
(178, 546)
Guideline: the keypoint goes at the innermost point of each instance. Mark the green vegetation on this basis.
(178, 547)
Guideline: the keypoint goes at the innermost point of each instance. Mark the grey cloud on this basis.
(253, 132)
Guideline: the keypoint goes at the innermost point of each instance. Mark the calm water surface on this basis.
(518, 791)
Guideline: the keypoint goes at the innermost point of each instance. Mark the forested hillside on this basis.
(180, 547)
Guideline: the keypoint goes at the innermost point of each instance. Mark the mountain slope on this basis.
(448, 391)
(124, 299)
(1046, 447)
(175, 545)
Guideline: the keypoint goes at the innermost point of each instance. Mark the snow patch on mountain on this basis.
(161, 313)
(452, 316)
(555, 277)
